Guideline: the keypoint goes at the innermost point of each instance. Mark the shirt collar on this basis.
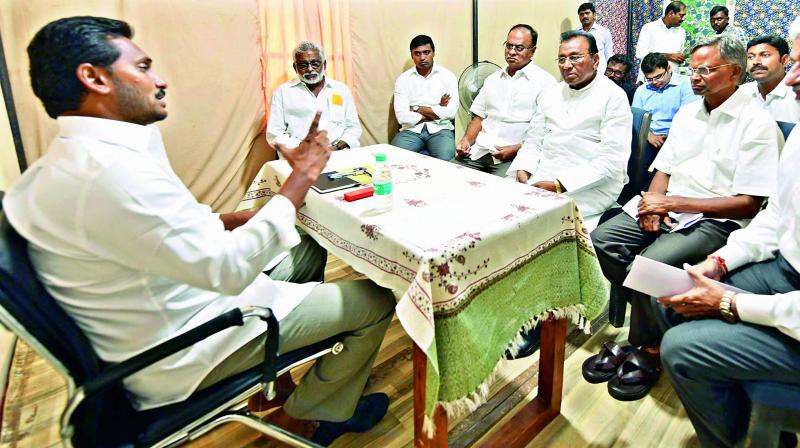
(781, 90)
(296, 82)
(673, 81)
(526, 71)
(434, 69)
(587, 87)
(732, 106)
(115, 132)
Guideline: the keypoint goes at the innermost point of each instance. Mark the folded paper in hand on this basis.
(679, 220)
(658, 279)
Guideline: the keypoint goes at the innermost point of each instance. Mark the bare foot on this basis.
(303, 428)
(284, 386)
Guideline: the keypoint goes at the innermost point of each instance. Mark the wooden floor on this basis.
(590, 417)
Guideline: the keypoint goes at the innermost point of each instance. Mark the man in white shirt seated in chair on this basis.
(504, 107)
(767, 57)
(720, 160)
(295, 102)
(579, 139)
(134, 259)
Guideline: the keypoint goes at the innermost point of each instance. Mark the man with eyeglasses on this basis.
(664, 35)
(720, 24)
(425, 102)
(295, 102)
(504, 107)
(662, 95)
(767, 57)
(617, 71)
(605, 43)
(578, 142)
(707, 360)
(720, 160)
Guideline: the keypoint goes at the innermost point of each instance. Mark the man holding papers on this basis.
(720, 160)
(706, 358)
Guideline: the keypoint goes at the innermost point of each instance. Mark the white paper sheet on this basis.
(680, 220)
(658, 279)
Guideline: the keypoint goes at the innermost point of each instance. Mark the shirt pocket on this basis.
(336, 108)
(523, 103)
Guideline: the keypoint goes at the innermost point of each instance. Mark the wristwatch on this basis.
(725, 306)
(415, 108)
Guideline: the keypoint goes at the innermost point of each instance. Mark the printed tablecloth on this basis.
(472, 257)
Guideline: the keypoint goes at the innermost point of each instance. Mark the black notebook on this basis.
(325, 184)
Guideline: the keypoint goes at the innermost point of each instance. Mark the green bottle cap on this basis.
(380, 157)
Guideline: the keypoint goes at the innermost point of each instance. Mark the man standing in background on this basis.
(719, 22)
(664, 35)
(605, 44)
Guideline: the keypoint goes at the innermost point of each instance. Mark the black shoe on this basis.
(529, 344)
(369, 411)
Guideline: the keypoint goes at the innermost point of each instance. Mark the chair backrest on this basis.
(636, 169)
(25, 299)
(786, 128)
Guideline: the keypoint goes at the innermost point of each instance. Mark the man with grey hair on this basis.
(717, 166)
(707, 360)
(295, 102)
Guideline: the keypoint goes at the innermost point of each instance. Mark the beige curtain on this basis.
(209, 53)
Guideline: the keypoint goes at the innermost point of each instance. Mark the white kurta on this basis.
(583, 139)
(293, 107)
(128, 252)
(506, 104)
(775, 229)
(413, 89)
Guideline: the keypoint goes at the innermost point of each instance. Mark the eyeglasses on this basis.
(656, 78)
(573, 59)
(704, 71)
(614, 72)
(304, 65)
(517, 48)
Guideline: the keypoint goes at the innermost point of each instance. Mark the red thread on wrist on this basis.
(720, 261)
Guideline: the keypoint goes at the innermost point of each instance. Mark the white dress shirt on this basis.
(583, 139)
(294, 105)
(731, 151)
(655, 37)
(128, 252)
(605, 44)
(780, 103)
(413, 89)
(506, 104)
(775, 229)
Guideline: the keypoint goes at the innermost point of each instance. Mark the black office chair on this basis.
(98, 412)
(641, 156)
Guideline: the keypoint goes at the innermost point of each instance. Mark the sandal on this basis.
(635, 377)
(603, 366)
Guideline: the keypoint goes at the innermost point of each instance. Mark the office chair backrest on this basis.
(637, 171)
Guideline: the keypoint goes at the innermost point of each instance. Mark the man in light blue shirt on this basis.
(662, 95)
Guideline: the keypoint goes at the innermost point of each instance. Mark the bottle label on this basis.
(382, 188)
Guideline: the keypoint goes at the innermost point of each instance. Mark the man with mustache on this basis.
(425, 102)
(123, 246)
(719, 22)
(664, 35)
(295, 102)
(504, 107)
(602, 35)
(720, 160)
(767, 57)
(714, 339)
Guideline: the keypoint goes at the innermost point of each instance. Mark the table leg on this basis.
(439, 439)
(531, 419)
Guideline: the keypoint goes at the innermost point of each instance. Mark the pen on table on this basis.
(347, 173)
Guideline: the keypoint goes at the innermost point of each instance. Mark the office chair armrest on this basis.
(118, 372)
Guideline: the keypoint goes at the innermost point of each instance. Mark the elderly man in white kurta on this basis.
(504, 107)
(580, 137)
(295, 102)
(664, 35)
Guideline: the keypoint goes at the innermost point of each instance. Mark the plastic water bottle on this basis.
(382, 184)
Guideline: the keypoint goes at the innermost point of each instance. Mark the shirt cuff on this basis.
(280, 213)
(734, 256)
(756, 308)
(441, 111)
